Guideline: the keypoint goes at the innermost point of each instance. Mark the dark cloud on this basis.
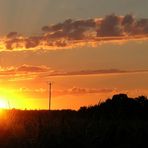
(128, 23)
(14, 43)
(46, 28)
(128, 20)
(110, 26)
(12, 35)
(69, 29)
(32, 42)
(74, 33)
(141, 26)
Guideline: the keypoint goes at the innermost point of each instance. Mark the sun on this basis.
(3, 104)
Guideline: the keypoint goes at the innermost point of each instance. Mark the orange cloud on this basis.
(82, 91)
(24, 69)
(76, 33)
(21, 73)
(29, 71)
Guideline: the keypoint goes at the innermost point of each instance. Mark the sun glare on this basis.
(3, 104)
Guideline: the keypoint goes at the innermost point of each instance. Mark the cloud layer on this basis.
(24, 69)
(76, 33)
(28, 72)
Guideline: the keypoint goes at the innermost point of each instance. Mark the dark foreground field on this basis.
(120, 122)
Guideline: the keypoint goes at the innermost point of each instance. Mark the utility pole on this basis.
(50, 85)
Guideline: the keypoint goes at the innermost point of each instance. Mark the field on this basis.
(119, 122)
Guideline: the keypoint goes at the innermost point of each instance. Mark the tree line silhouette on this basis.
(116, 123)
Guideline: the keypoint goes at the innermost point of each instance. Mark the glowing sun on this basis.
(3, 104)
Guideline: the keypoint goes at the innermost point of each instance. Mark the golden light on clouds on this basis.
(80, 76)
(20, 44)
(79, 33)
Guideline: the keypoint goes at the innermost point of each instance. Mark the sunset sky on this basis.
(89, 50)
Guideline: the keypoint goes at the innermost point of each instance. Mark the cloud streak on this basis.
(49, 72)
(83, 91)
(24, 69)
(76, 33)
(22, 73)
(29, 72)
(102, 93)
(93, 72)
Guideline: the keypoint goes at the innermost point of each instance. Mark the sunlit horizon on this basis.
(90, 50)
